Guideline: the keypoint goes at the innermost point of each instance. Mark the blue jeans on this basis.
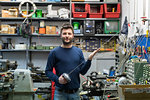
(65, 96)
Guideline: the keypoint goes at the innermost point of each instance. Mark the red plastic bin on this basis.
(95, 11)
(112, 14)
(78, 14)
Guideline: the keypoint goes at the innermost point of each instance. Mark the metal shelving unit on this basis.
(16, 3)
(95, 18)
(12, 50)
(34, 19)
(68, 4)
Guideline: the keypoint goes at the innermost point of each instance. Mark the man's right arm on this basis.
(49, 68)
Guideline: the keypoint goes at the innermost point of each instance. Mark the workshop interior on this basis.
(30, 29)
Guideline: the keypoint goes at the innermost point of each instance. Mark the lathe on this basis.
(15, 84)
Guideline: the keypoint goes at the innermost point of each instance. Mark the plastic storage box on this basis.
(95, 11)
(79, 10)
(112, 10)
(111, 26)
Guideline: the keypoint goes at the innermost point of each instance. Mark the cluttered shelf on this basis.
(57, 35)
(16, 3)
(95, 18)
(36, 19)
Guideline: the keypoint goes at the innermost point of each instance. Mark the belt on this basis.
(68, 91)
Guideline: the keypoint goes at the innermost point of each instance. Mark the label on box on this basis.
(134, 91)
(137, 91)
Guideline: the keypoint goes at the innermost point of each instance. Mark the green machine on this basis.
(23, 88)
(15, 84)
(135, 71)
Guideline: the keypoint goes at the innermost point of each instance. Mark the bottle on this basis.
(112, 71)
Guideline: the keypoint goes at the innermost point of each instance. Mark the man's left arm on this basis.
(87, 64)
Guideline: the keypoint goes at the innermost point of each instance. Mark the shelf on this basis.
(95, 18)
(12, 19)
(96, 35)
(57, 35)
(10, 35)
(51, 19)
(39, 50)
(106, 58)
(95, 2)
(35, 19)
(106, 34)
(45, 35)
(13, 50)
(16, 3)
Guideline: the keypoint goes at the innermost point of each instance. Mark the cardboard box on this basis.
(13, 12)
(12, 30)
(50, 29)
(134, 92)
(5, 29)
(5, 13)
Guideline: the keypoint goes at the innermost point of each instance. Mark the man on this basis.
(67, 59)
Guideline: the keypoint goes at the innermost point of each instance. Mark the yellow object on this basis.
(102, 49)
(146, 81)
(134, 83)
(24, 12)
(113, 9)
(146, 33)
(39, 96)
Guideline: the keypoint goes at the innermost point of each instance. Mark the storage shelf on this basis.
(45, 35)
(11, 50)
(76, 35)
(16, 3)
(39, 50)
(43, 5)
(106, 34)
(96, 35)
(9, 35)
(96, 2)
(106, 58)
(95, 18)
(35, 19)
(57, 35)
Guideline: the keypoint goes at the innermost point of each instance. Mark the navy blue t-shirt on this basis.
(64, 60)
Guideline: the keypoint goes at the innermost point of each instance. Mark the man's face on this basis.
(67, 36)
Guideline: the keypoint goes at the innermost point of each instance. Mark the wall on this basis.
(135, 10)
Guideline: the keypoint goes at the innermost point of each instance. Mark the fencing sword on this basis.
(67, 77)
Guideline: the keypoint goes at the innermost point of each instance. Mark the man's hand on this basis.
(62, 80)
(93, 53)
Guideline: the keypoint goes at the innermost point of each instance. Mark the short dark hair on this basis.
(66, 26)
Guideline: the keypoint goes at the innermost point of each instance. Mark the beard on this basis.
(66, 43)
